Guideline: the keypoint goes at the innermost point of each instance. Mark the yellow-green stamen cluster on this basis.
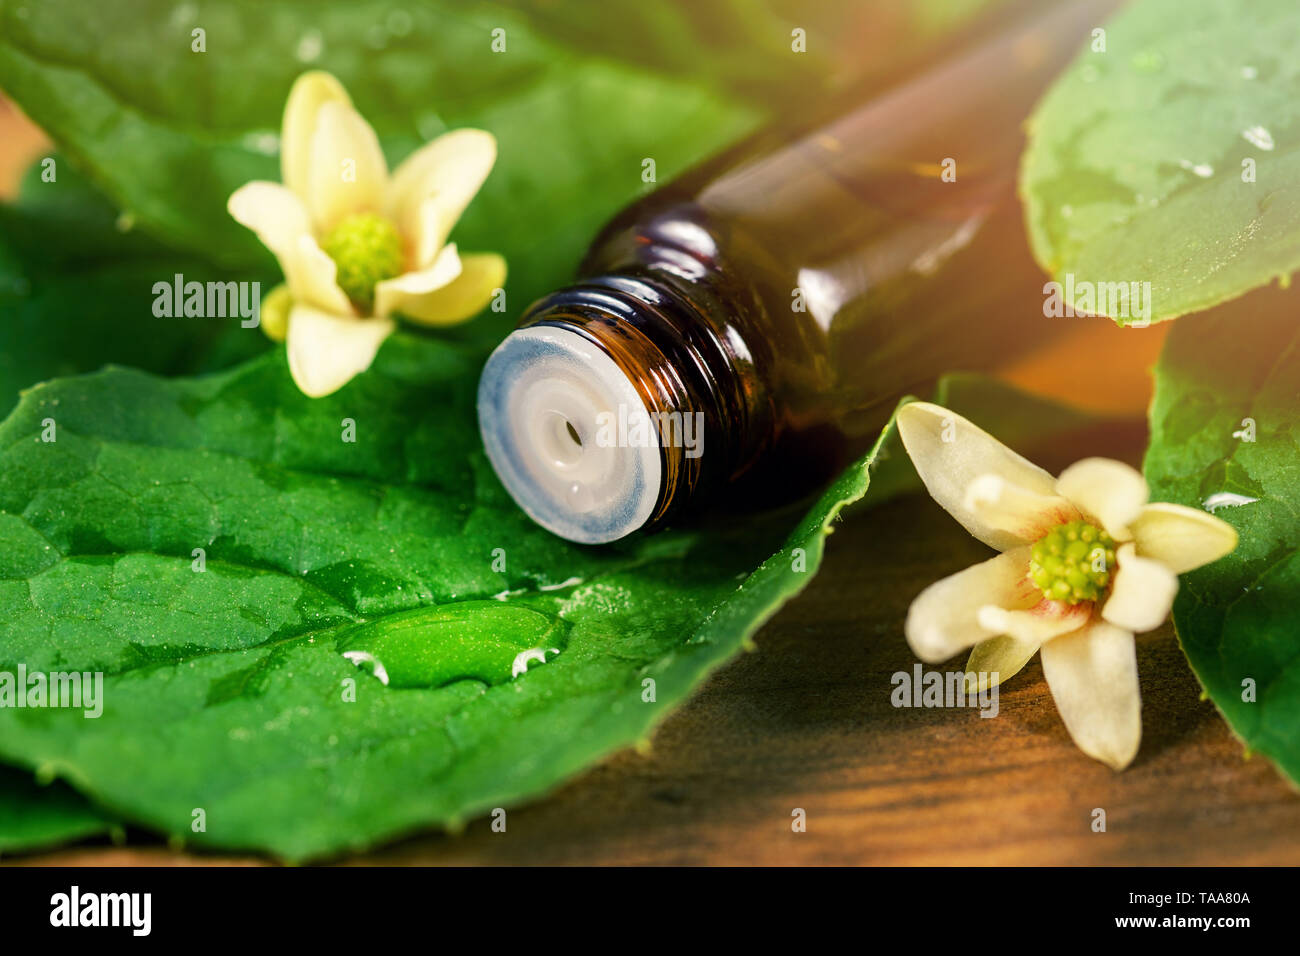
(1073, 562)
(367, 249)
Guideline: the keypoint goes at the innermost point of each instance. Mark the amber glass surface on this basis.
(796, 287)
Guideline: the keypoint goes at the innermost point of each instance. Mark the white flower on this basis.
(357, 245)
(1085, 563)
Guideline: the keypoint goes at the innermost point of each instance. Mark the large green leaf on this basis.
(1220, 384)
(1134, 170)
(226, 688)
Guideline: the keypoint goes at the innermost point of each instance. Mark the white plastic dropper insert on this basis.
(549, 404)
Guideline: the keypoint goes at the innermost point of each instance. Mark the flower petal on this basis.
(1040, 623)
(950, 452)
(944, 618)
(346, 172)
(310, 92)
(481, 275)
(1142, 593)
(1027, 515)
(272, 211)
(432, 187)
(393, 295)
(274, 313)
(1093, 677)
(1108, 491)
(326, 351)
(1181, 538)
(312, 277)
(427, 228)
(994, 661)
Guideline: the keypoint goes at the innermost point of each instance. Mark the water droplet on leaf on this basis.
(266, 142)
(310, 45)
(1204, 170)
(1258, 136)
(524, 658)
(468, 640)
(376, 665)
(1226, 499)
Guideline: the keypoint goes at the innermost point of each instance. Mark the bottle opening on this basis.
(549, 404)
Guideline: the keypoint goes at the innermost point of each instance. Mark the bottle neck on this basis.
(700, 388)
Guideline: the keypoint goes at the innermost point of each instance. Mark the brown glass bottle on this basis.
(786, 294)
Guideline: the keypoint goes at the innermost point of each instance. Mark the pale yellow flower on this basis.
(358, 246)
(1086, 562)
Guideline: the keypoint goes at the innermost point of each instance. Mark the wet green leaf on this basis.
(1173, 157)
(1226, 436)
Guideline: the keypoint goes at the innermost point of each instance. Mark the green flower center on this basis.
(367, 250)
(1073, 562)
